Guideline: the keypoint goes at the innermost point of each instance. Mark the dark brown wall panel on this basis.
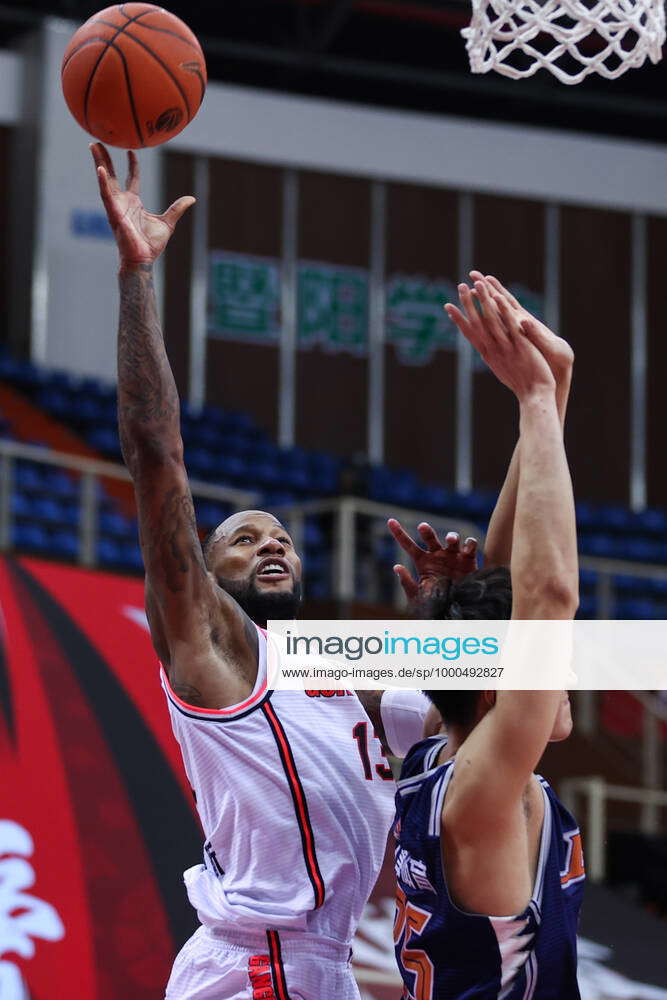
(245, 216)
(331, 395)
(509, 243)
(595, 319)
(656, 423)
(179, 177)
(422, 240)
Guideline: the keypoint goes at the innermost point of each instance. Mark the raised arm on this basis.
(502, 750)
(202, 637)
(559, 356)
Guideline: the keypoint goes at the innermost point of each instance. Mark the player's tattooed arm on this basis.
(560, 358)
(198, 631)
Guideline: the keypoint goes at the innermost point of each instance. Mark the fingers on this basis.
(457, 317)
(495, 318)
(133, 172)
(403, 538)
(102, 159)
(409, 585)
(510, 318)
(429, 537)
(452, 542)
(466, 300)
(499, 287)
(106, 192)
(531, 330)
(470, 548)
(175, 211)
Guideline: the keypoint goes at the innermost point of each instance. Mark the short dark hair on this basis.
(457, 708)
(483, 594)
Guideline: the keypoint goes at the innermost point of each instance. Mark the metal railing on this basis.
(91, 472)
(597, 793)
(345, 511)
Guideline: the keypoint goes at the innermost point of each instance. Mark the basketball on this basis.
(134, 75)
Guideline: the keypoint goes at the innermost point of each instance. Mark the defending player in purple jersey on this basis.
(489, 864)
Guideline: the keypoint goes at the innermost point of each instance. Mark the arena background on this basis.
(349, 171)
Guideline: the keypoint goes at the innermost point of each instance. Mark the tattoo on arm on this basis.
(148, 407)
(172, 541)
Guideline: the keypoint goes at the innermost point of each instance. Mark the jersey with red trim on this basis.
(296, 800)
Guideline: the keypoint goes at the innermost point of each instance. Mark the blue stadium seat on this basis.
(109, 552)
(210, 514)
(634, 608)
(598, 545)
(588, 577)
(30, 476)
(630, 585)
(21, 505)
(61, 485)
(65, 544)
(587, 606)
(586, 516)
(616, 518)
(131, 556)
(105, 439)
(653, 520)
(201, 463)
(30, 536)
(117, 525)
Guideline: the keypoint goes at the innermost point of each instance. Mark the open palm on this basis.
(141, 236)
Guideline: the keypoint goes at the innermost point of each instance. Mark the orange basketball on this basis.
(134, 75)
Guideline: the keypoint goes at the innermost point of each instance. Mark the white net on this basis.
(570, 38)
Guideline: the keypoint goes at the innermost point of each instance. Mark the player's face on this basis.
(255, 550)
(563, 724)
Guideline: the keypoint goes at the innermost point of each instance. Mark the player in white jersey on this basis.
(294, 794)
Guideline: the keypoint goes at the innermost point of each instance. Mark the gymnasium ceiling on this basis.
(394, 53)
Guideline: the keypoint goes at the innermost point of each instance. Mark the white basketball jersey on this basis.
(295, 798)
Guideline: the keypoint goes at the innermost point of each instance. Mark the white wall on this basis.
(452, 152)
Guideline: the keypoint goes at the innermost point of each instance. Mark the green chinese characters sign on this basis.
(244, 298)
(332, 307)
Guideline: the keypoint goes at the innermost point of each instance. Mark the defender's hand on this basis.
(140, 235)
(556, 351)
(437, 562)
(506, 340)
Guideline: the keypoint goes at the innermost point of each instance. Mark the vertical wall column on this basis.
(464, 379)
(639, 335)
(376, 324)
(289, 316)
(199, 284)
(552, 267)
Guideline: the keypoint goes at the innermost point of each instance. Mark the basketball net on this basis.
(570, 38)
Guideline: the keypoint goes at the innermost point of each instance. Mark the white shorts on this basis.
(280, 965)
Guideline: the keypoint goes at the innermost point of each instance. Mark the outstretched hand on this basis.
(557, 352)
(140, 235)
(502, 330)
(437, 562)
